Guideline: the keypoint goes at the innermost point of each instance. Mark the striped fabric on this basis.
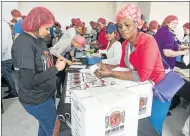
(128, 51)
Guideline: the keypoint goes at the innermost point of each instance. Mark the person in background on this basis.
(142, 57)
(102, 42)
(94, 30)
(36, 70)
(61, 48)
(153, 27)
(72, 22)
(113, 51)
(57, 33)
(17, 26)
(70, 34)
(170, 47)
(6, 60)
(186, 40)
(186, 28)
(144, 27)
(83, 29)
(67, 27)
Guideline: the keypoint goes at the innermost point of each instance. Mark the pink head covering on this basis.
(131, 12)
(102, 20)
(37, 18)
(80, 40)
(78, 23)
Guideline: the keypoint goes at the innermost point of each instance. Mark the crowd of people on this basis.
(38, 51)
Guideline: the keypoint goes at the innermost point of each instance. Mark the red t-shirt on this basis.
(102, 39)
(146, 58)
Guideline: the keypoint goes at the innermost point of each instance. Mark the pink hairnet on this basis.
(16, 13)
(80, 40)
(37, 18)
(131, 12)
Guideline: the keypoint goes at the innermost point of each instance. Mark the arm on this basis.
(168, 46)
(60, 47)
(30, 78)
(171, 53)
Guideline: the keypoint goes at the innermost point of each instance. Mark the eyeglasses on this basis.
(176, 23)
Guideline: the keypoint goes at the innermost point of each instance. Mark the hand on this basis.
(182, 46)
(186, 51)
(61, 58)
(103, 72)
(60, 65)
(75, 60)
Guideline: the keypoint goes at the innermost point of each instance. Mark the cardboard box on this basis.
(104, 113)
(145, 95)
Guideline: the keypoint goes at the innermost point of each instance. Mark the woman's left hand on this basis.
(103, 72)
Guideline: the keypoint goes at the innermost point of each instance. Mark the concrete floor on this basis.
(17, 122)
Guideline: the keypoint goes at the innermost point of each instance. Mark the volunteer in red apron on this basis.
(102, 40)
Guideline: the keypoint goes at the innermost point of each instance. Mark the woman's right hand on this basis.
(60, 65)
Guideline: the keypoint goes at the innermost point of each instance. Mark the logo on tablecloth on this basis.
(114, 121)
(143, 105)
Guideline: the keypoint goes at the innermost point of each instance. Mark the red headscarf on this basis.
(153, 25)
(187, 25)
(78, 23)
(16, 13)
(102, 20)
(169, 19)
(37, 18)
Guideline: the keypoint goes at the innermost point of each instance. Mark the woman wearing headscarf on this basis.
(17, 26)
(101, 42)
(36, 70)
(153, 27)
(113, 51)
(170, 47)
(142, 57)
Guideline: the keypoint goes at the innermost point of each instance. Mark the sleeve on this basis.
(25, 56)
(148, 55)
(60, 47)
(30, 79)
(117, 51)
(168, 41)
